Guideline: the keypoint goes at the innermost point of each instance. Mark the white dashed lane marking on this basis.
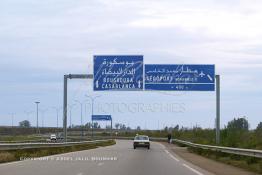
(100, 164)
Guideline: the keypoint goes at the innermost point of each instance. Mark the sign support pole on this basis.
(65, 109)
(217, 109)
(92, 124)
(66, 77)
(111, 128)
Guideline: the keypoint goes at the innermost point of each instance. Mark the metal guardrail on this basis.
(237, 151)
(14, 146)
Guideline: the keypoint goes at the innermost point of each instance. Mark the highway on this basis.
(119, 159)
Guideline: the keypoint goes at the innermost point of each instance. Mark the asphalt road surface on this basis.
(119, 159)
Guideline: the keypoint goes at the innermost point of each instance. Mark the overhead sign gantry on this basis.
(126, 73)
(103, 118)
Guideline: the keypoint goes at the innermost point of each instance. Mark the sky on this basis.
(40, 41)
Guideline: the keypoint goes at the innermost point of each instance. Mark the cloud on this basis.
(215, 21)
(42, 41)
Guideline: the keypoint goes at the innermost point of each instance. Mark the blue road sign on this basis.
(180, 77)
(101, 117)
(118, 72)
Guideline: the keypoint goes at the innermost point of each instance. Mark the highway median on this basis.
(17, 154)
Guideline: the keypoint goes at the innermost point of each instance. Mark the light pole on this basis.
(43, 111)
(12, 122)
(57, 113)
(70, 114)
(81, 105)
(37, 129)
(12, 115)
(92, 99)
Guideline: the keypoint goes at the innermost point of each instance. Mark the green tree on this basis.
(24, 124)
(96, 125)
(88, 125)
(176, 128)
(117, 126)
(239, 124)
(259, 127)
(108, 126)
(236, 133)
(122, 127)
(258, 136)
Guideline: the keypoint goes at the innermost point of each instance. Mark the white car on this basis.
(141, 141)
(53, 137)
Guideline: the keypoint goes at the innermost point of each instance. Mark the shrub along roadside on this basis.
(245, 162)
(15, 155)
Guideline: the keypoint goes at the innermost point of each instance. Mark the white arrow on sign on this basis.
(210, 78)
(139, 84)
(97, 84)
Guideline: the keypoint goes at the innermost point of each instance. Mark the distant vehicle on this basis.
(60, 137)
(53, 137)
(141, 141)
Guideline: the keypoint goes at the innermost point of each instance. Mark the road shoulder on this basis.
(210, 165)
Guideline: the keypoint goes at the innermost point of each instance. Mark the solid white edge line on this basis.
(173, 157)
(192, 169)
(185, 165)
(11, 163)
(161, 145)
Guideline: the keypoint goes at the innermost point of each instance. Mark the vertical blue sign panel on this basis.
(118, 72)
(180, 77)
(101, 117)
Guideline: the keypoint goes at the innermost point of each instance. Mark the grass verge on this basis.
(10, 138)
(248, 163)
(15, 155)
